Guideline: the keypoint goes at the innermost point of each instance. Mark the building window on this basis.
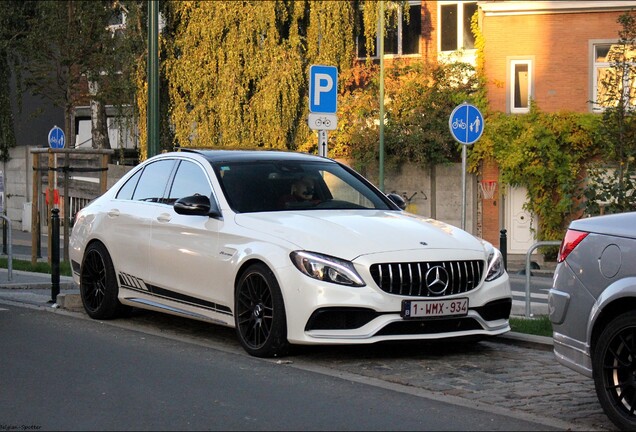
(454, 24)
(613, 78)
(520, 86)
(401, 33)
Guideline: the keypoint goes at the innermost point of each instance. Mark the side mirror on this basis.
(197, 205)
(398, 200)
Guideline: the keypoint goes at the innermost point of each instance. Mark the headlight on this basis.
(495, 265)
(326, 268)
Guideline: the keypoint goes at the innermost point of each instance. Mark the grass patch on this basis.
(540, 326)
(39, 267)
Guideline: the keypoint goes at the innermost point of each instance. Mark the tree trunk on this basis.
(99, 122)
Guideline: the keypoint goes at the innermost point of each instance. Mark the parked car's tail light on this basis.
(326, 268)
(570, 241)
(495, 265)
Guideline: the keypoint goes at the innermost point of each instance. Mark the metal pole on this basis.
(55, 254)
(152, 118)
(381, 54)
(503, 247)
(9, 248)
(463, 187)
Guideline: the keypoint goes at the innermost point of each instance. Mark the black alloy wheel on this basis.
(614, 370)
(260, 313)
(98, 284)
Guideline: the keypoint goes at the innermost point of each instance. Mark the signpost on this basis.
(323, 102)
(56, 141)
(466, 124)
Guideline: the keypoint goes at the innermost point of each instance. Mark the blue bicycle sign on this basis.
(466, 123)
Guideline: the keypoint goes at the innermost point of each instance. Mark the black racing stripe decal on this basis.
(135, 284)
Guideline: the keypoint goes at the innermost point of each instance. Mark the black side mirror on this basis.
(197, 205)
(398, 200)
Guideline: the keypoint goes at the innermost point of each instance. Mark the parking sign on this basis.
(323, 89)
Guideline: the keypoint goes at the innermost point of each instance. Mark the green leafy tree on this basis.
(58, 43)
(237, 71)
(613, 183)
(13, 29)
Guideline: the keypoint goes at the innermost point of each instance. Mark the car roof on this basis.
(216, 156)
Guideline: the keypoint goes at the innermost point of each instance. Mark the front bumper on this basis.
(325, 313)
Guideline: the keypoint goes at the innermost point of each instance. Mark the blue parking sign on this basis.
(323, 89)
(466, 123)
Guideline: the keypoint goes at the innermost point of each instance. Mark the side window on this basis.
(189, 180)
(127, 190)
(154, 178)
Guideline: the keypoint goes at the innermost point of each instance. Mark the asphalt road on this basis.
(63, 371)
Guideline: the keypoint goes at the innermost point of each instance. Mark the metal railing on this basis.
(528, 256)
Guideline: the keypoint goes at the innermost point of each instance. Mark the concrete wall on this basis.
(435, 193)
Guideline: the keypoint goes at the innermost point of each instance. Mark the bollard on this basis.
(55, 254)
(503, 247)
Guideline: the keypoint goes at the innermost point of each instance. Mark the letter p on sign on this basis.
(323, 89)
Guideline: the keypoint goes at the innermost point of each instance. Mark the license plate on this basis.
(434, 308)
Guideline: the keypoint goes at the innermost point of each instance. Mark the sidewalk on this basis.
(34, 288)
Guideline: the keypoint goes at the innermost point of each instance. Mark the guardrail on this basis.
(528, 256)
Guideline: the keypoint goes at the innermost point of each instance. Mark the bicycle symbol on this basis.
(323, 122)
(459, 124)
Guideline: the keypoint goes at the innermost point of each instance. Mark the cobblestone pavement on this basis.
(526, 380)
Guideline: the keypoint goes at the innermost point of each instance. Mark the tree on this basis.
(13, 28)
(237, 71)
(616, 188)
(61, 42)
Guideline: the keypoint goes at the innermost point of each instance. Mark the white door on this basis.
(519, 222)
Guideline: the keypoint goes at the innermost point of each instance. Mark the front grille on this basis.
(428, 279)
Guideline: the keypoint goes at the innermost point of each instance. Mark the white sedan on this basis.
(288, 248)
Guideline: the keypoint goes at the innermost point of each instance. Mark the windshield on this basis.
(293, 185)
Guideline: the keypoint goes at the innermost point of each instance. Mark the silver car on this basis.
(592, 307)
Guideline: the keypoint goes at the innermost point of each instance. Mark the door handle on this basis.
(164, 217)
(113, 212)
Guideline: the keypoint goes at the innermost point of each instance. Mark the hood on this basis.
(349, 234)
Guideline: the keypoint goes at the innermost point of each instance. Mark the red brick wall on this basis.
(560, 46)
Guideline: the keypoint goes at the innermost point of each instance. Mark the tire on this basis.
(259, 313)
(614, 370)
(98, 284)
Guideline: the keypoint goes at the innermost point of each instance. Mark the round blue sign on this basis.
(56, 138)
(466, 123)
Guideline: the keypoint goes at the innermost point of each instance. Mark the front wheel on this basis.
(614, 370)
(98, 284)
(259, 313)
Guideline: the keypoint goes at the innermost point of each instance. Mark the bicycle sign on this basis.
(318, 121)
(466, 124)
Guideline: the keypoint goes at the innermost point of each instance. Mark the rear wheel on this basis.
(259, 313)
(614, 370)
(98, 284)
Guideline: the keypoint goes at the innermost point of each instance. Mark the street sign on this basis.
(56, 138)
(322, 143)
(319, 121)
(323, 89)
(466, 124)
